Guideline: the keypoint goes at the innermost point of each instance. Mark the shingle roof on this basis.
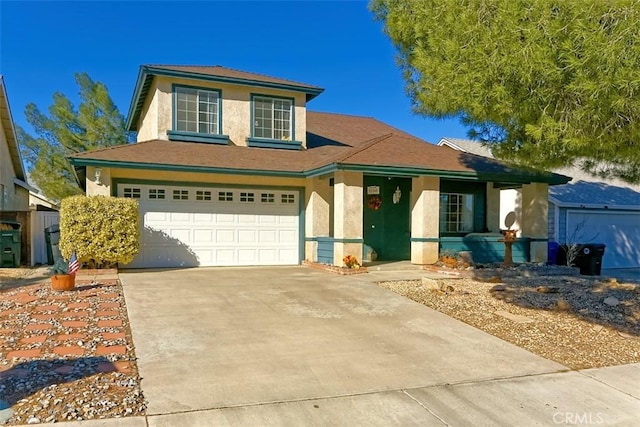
(332, 139)
(220, 71)
(468, 146)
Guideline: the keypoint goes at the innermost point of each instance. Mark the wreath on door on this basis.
(374, 202)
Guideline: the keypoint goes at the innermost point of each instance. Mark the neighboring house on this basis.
(14, 191)
(39, 202)
(230, 168)
(589, 209)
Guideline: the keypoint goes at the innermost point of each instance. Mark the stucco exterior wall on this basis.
(347, 207)
(236, 109)
(207, 178)
(493, 208)
(535, 208)
(425, 219)
(148, 122)
(14, 198)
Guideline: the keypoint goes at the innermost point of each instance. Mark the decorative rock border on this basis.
(344, 271)
(521, 270)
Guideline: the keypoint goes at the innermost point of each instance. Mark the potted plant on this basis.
(61, 280)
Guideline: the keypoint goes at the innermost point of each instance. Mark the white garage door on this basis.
(620, 231)
(192, 226)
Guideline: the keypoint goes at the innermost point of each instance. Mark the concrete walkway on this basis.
(294, 346)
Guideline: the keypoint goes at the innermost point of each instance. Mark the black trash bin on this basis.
(10, 244)
(589, 258)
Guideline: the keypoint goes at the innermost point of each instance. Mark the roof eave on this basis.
(81, 162)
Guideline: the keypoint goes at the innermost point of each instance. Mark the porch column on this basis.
(493, 208)
(425, 219)
(101, 189)
(347, 206)
(317, 215)
(535, 210)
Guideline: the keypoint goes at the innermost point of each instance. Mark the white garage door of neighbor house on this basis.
(193, 226)
(620, 231)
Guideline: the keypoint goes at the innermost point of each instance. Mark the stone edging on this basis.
(96, 272)
(333, 269)
(484, 273)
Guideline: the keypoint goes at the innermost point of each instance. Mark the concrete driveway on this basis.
(291, 345)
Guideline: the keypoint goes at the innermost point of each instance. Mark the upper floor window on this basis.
(456, 213)
(197, 110)
(272, 118)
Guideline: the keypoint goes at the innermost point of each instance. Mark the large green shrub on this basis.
(103, 231)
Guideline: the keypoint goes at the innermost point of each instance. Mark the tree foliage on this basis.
(547, 82)
(96, 123)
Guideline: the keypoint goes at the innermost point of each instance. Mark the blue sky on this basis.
(333, 44)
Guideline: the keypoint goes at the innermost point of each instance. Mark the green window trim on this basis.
(274, 143)
(287, 139)
(177, 133)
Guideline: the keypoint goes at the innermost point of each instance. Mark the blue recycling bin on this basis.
(552, 253)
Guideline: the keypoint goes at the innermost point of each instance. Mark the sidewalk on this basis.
(605, 396)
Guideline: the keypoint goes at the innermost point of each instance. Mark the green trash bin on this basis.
(10, 244)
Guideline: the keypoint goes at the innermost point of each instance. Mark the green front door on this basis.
(387, 229)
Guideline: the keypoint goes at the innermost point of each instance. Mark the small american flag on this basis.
(73, 263)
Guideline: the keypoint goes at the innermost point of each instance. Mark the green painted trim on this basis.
(177, 135)
(174, 110)
(293, 115)
(401, 171)
(333, 239)
(180, 168)
(274, 143)
(356, 240)
(425, 239)
(319, 239)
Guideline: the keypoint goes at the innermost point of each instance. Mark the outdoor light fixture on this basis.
(98, 173)
(396, 196)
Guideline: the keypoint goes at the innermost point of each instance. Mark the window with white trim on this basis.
(180, 194)
(197, 110)
(203, 195)
(456, 213)
(267, 198)
(225, 196)
(247, 197)
(131, 193)
(156, 193)
(287, 198)
(272, 118)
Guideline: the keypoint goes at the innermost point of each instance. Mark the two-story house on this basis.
(231, 168)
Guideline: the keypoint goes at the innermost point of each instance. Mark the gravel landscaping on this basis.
(65, 355)
(578, 321)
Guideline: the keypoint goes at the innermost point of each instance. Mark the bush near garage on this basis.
(103, 231)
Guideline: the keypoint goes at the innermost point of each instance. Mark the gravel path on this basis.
(580, 322)
(66, 355)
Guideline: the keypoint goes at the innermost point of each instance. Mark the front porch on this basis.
(415, 218)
